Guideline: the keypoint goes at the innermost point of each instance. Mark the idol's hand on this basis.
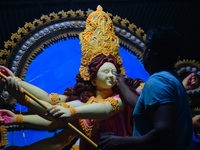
(60, 112)
(7, 117)
(190, 81)
(196, 121)
(6, 71)
(14, 88)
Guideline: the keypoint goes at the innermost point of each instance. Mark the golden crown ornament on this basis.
(98, 38)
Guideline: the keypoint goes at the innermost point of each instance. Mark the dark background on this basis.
(183, 14)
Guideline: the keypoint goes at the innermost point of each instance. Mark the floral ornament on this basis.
(98, 38)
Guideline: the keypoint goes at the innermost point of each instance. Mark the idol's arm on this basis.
(95, 110)
(7, 117)
(34, 90)
(41, 94)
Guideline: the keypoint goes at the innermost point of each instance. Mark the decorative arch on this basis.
(32, 39)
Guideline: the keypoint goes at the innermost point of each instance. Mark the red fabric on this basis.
(118, 124)
(128, 118)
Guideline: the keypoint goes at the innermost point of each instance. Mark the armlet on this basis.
(54, 98)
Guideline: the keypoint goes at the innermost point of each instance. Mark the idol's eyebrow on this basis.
(108, 68)
(115, 73)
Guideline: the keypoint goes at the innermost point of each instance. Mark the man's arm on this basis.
(162, 135)
(129, 96)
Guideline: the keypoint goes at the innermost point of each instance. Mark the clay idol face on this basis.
(106, 76)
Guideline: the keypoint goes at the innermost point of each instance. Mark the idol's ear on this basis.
(94, 82)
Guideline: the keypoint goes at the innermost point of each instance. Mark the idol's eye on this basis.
(106, 71)
(114, 72)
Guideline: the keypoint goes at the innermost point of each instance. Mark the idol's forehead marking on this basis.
(111, 66)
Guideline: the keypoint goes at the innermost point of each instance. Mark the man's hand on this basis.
(109, 142)
(121, 79)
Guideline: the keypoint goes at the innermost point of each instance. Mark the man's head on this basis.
(162, 48)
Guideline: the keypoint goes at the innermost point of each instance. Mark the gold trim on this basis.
(3, 131)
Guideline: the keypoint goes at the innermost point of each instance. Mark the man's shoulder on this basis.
(161, 78)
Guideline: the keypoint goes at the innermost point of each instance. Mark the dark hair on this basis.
(164, 42)
(83, 90)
